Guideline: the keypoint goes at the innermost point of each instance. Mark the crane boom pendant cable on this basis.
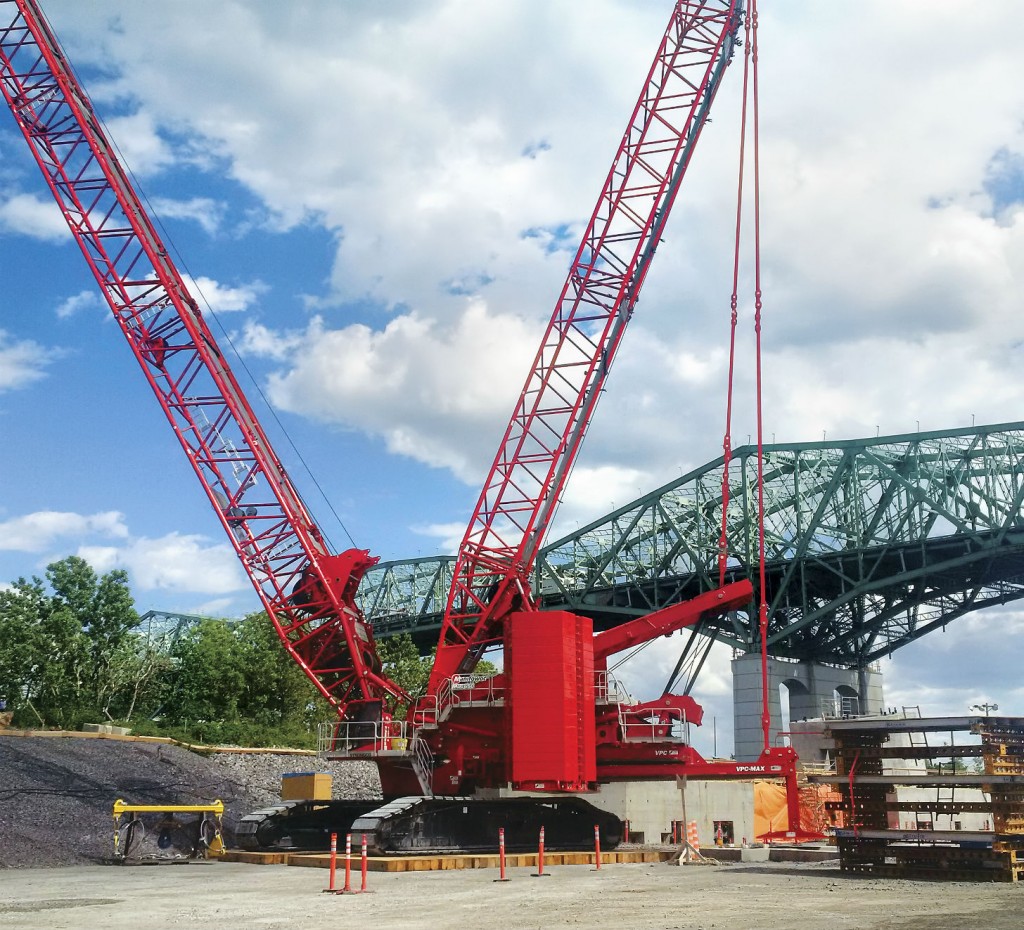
(762, 594)
(749, 104)
(723, 539)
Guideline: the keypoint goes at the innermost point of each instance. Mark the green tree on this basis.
(21, 654)
(209, 675)
(133, 679)
(403, 664)
(277, 692)
(57, 645)
(104, 609)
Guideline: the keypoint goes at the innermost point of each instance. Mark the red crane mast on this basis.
(544, 434)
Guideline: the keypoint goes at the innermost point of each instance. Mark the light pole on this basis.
(985, 707)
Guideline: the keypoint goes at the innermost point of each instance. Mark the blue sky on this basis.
(380, 202)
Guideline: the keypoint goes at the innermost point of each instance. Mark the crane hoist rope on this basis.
(749, 103)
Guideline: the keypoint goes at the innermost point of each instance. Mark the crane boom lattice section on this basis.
(277, 541)
(550, 420)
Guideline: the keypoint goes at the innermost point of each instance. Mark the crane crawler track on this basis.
(431, 825)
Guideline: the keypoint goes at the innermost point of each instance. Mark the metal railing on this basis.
(458, 691)
(664, 726)
(349, 739)
(466, 691)
(423, 764)
(609, 690)
(838, 708)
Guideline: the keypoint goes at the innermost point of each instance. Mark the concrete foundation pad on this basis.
(737, 853)
(434, 863)
(803, 853)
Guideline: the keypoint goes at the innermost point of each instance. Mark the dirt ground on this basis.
(776, 896)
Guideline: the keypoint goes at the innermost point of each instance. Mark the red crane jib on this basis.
(669, 619)
(544, 434)
(308, 596)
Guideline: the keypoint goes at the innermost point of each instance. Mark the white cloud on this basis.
(593, 491)
(435, 393)
(173, 563)
(83, 300)
(29, 215)
(223, 298)
(448, 535)
(204, 211)
(138, 142)
(215, 607)
(22, 361)
(176, 563)
(259, 339)
(35, 532)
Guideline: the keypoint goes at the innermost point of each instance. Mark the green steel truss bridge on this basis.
(870, 544)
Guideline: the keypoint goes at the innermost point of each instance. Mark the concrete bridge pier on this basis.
(796, 691)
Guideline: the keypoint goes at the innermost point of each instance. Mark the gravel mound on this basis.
(56, 793)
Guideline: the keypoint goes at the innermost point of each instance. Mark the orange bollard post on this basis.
(348, 865)
(625, 831)
(334, 862)
(363, 869)
(501, 855)
(540, 873)
(597, 848)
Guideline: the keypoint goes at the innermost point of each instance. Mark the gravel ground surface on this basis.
(56, 793)
(776, 896)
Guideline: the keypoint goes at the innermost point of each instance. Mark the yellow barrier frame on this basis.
(216, 847)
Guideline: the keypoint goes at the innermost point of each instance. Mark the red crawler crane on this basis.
(525, 727)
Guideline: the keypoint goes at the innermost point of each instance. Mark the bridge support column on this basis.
(811, 691)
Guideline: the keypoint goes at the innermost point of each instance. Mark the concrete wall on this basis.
(651, 806)
(809, 685)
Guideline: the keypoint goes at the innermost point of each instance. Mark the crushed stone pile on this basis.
(56, 794)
